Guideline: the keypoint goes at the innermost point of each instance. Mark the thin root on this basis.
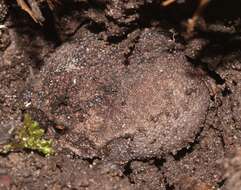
(167, 2)
(32, 8)
(192, 22)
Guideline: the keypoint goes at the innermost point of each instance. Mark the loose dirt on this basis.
(128, 100)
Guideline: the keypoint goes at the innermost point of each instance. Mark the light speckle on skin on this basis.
(157, 112)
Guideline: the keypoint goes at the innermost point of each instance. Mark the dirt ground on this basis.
(129, 101)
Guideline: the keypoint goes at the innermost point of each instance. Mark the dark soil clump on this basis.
(128, 100)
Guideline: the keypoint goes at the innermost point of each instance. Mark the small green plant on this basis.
(30, 136)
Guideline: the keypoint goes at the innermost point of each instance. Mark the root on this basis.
(32, 8)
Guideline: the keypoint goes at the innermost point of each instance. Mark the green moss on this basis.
(30, 136)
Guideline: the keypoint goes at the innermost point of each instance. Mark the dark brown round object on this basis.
(151, 108)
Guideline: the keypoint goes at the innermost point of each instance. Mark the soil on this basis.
(128, 99)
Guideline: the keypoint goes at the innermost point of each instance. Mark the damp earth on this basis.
(129, 100)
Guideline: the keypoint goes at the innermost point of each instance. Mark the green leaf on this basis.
(30, 136)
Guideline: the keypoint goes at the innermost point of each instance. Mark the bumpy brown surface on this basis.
(128, 102)
(153, 105)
